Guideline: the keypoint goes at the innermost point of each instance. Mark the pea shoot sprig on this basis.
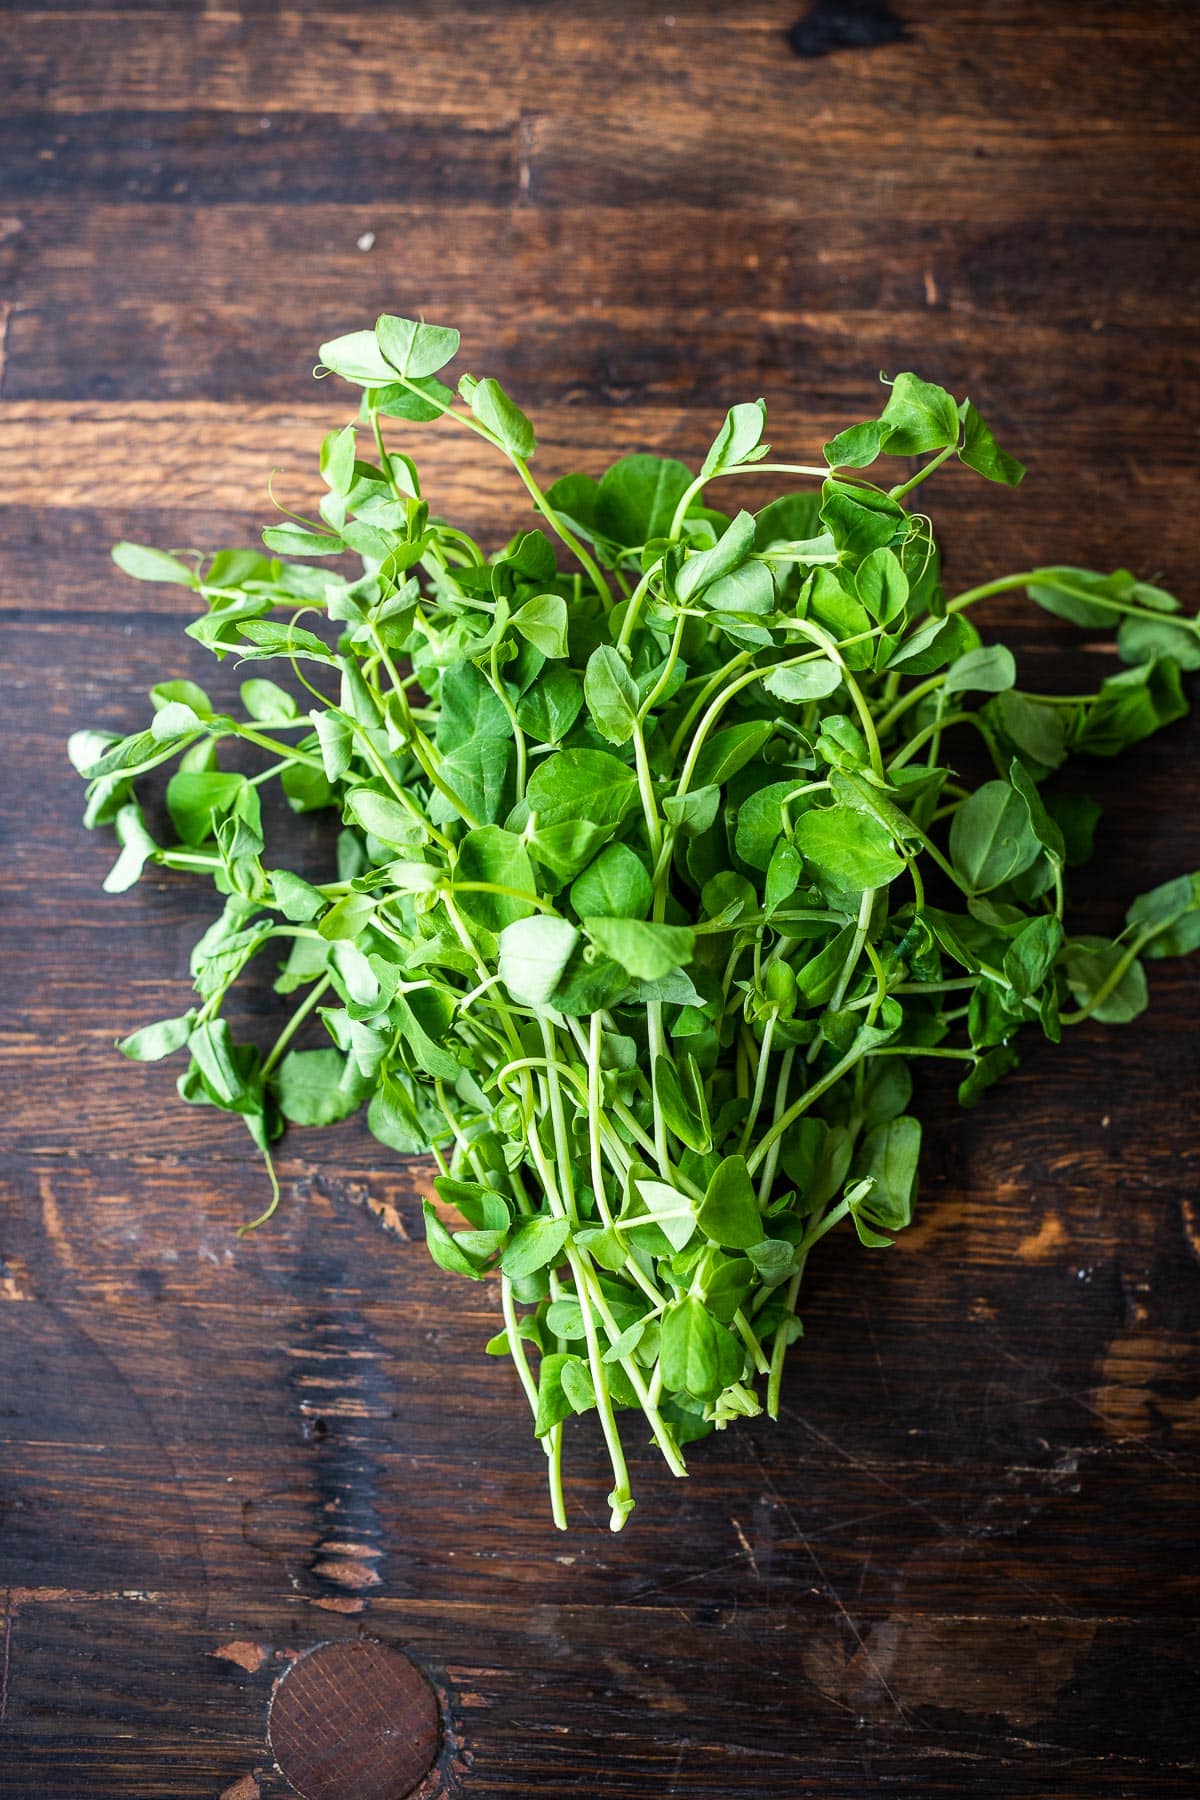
(656, 870)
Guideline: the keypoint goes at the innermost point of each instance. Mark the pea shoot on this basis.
(656, 867)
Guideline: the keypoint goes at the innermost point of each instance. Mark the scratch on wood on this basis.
(52, 1224)
(870, 1661)
(525, 148)
(744, 1541)
(856, 1462)
(51, 1596)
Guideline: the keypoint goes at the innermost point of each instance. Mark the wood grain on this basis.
(962, 1563)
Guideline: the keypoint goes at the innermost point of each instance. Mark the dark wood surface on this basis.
(963, 1562)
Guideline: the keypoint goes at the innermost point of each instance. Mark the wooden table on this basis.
(963, 1563)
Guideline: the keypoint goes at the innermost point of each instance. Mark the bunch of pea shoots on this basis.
(653, 869)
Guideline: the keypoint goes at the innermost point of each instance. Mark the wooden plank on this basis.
(191, 156)
(562, 1691)
(175, 312)
(154, 260)
(629, 157)
(122, 457)
(412, 63)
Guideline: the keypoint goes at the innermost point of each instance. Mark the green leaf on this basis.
(783, 875)
(919, 416)
(793, 518)
(335, 740)
(357, 357)
(611, 695)
(1035, 731)
(213, 1054)
(848, 850)
(564, 1387)
(270, 639)
(670, 1210)
(1089, 964)
(615, 886)
(1079, 594)
(637, 498)
(692, 813)
(494, 855)
(382, 816)
(989, 670)
(980, 451)
(441, 1246)
(1041, 824)
(548, 709)
(165, 693)
(686, 1115)
(703, 567)
(990, 837)
(985, 1073)
(296, 898)
(889, 1157)
(267, 703)
(644, 950)
(153, 1042)
(1174, 910)
(542, 621)
(535, 1244)
(760, 822)
(745, 590)
(932, 645)
(861, 519)
(730, 750)
(856, 447)
(533, 954)
(503, 417)
(145, 564)
(1030, 957)
(1141, 640)
(1132, 706)
(137, 849)
(882, 585)
(806, 681)
(699, 1355)
(337, 460)
(394, 1118)
(294, 540)
(413, 348)
(317, 1087)
(1076, 817)
(729, 1213)
(567, 847)
(739, 439)
(582, 784)
(196, 801)
(431, 399)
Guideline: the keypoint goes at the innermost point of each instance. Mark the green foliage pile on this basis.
(655, 873)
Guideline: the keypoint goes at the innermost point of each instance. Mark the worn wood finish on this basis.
(962, 1563)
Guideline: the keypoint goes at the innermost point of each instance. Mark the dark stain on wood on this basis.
(830, 25)
(963, 1562)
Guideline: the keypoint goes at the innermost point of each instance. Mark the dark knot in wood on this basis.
(354, 1722)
